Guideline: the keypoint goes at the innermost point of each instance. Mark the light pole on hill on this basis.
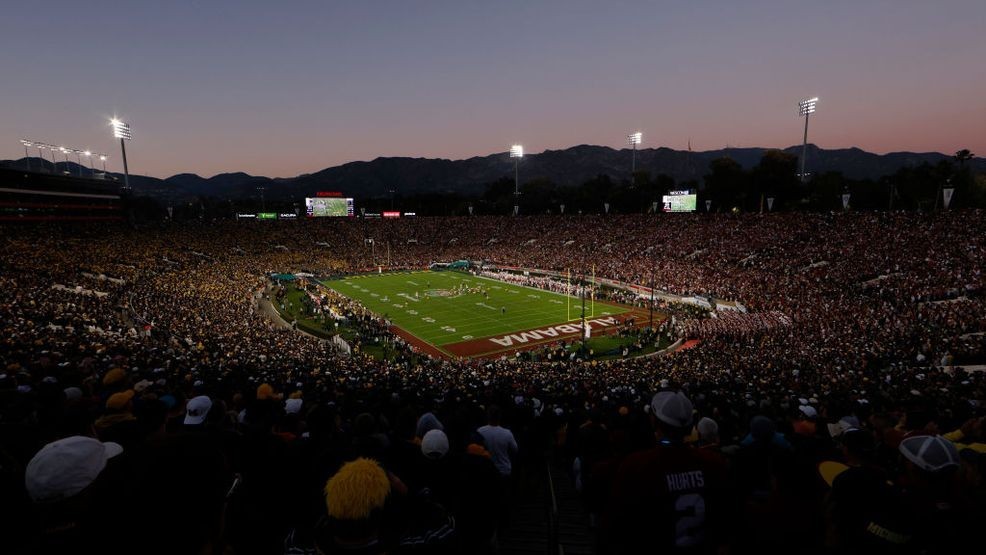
(517, 152)
(121, 131)
(27, 156)
(805, 109)
(634, 139)
(65, 151)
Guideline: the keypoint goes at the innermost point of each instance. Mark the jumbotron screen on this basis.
(323, 206)
(680, 201)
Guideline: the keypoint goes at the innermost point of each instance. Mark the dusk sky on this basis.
(284, 88)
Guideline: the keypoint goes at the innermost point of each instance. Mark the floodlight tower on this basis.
(517, 152)
(52, 149)
(88, 155)
(634, 139)
(122, 131)
(41, 148)
(805, 109)
(27, 156)
(102, 158)
(65, 151)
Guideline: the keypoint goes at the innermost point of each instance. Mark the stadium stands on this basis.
(39, 197)
(857, 351)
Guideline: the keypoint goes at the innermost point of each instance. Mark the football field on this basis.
(459, 314)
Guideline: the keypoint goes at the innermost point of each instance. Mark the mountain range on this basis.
(382, 177)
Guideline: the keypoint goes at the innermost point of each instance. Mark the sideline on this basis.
(266, 307)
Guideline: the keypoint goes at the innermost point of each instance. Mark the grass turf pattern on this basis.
(432, 307)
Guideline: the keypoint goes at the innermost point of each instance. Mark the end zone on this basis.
(528, 339)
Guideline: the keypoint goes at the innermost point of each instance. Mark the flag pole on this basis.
(568, 298)
(592, 292)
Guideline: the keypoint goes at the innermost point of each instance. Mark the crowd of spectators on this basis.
(169, 413)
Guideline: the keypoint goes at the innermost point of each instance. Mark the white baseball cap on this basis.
(65, 467)
(930, 453)
(435, 444)
(672, 408)
(293, 406)
(197, 409)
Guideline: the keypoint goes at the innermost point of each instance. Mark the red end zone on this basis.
(536, 337)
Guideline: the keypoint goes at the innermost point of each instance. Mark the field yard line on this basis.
(515, 316)
(469, 311)
(562, 295)
(515, 320)
(523, 315)
(519, 325)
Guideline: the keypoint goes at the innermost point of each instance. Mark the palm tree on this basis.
(963, 156)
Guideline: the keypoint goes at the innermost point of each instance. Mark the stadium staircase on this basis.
(547, 517)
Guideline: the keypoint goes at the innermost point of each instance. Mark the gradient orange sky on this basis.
(284, 88)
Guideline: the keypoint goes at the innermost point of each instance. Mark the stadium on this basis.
(581, 349)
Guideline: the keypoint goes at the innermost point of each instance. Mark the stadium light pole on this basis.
(65, 151)
(806, 108)
(634, 139)
(102, 158)
(121, 131)
(517, 152)
(41, 148)
(88, 155)
(54, 161)
(27, 156)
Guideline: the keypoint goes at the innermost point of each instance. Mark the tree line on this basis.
(728, 186)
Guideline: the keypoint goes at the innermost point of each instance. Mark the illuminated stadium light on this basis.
(516, 152)
(806, 107)
(102, 158)
(65, 152)
(634, 139)
(78, 157)
(88, 155)
(121, 131)
(41, 148)
(27, 155)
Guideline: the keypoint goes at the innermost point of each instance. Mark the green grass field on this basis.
(426, 305)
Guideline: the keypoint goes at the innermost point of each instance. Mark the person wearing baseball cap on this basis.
(671, 496)
(930, 465)
(866, 513)
(118, 424)
(72, 490)
(197, 410)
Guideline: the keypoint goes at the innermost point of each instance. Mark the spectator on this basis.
(672, 496)
(499, 441)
